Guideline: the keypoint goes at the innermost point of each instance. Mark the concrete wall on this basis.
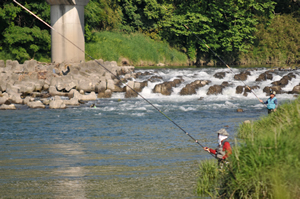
(67, 18)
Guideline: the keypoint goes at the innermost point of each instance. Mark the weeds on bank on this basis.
(136, 48)
(267, 162)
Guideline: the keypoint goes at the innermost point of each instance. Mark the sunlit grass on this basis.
(136, 48)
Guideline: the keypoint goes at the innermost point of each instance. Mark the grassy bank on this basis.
(278, 43)
(265, 165)
(136, 49)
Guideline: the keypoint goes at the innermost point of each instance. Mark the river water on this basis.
(124, 148)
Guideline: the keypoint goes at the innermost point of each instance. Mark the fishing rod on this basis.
(110, 73)
(221, 61)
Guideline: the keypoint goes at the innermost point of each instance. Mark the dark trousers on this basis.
(270, 111)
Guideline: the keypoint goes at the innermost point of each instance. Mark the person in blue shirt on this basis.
(271, 102)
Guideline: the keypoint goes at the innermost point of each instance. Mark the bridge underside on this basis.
(67, 18)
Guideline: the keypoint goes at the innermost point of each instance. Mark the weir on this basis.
(67, 18)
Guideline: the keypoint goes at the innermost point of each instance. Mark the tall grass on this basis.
(267, 162)
(136, 48)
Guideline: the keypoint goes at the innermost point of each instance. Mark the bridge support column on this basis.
(67, 18)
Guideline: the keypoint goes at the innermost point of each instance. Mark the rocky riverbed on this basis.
(57, 86)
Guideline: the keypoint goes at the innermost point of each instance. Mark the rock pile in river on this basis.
(38, 85)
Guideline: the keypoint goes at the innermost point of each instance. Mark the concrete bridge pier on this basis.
(67, 18)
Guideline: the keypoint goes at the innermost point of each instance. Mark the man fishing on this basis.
(224, 149)
(272, 102)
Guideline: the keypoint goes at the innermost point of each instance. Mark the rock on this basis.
(247, 90)
(242, 76)
(100, 87)
(16, 98)
(36, 104)
(57, 103)
(296, 90)
(45, 101)
(225, 84)
(220, 75)
(284, 80)
(264, 76)
(247, 122)
(215, 90)
(191, 88)
(240, 110)
(10, 88)
(2, 64)
(166, 87)
(129, 92)
(7, 107)
(201, 98)
(29, 65)
(90, 97)
(53, 92)
(155, 78)
(73, 102)
(268, 89)
(2, 85)
(3, 99)
(28, 99)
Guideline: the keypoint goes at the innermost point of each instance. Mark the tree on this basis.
(227, 26)
(23, 36)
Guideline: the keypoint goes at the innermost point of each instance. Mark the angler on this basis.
(272, 102)
(223, 150)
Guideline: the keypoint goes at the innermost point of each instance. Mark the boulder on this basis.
(240, 110)
(239, 89)
(7, 107)
(155, 78)
(129, 92)
(100, 87)
(73, 102)
(296, 90)
(57, 103)
(3, 99)
(10, 88)
(242, 76)
(106, 94)
(215, 90)
(53, 92)
(28, 99)
(284, 80)
(220, 75)
(191, 88)
(264, 76)
(247, 122)
(247, 90)
(166, 87)
(35, 104)
(16, 98)
(90, 97)
(268, 89)
(29, 65)
(2, 64)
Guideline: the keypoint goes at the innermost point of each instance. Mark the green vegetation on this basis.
(266, 164)
(277, 43)
(136, 48)
(241, 32)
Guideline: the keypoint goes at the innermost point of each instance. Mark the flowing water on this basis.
(124, 148)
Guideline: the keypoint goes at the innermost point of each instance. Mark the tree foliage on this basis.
(23, 36)
(227, 26)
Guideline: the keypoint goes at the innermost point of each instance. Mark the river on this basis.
(123, 148)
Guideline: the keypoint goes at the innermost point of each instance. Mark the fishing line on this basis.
(110, 73)
(221, 60)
